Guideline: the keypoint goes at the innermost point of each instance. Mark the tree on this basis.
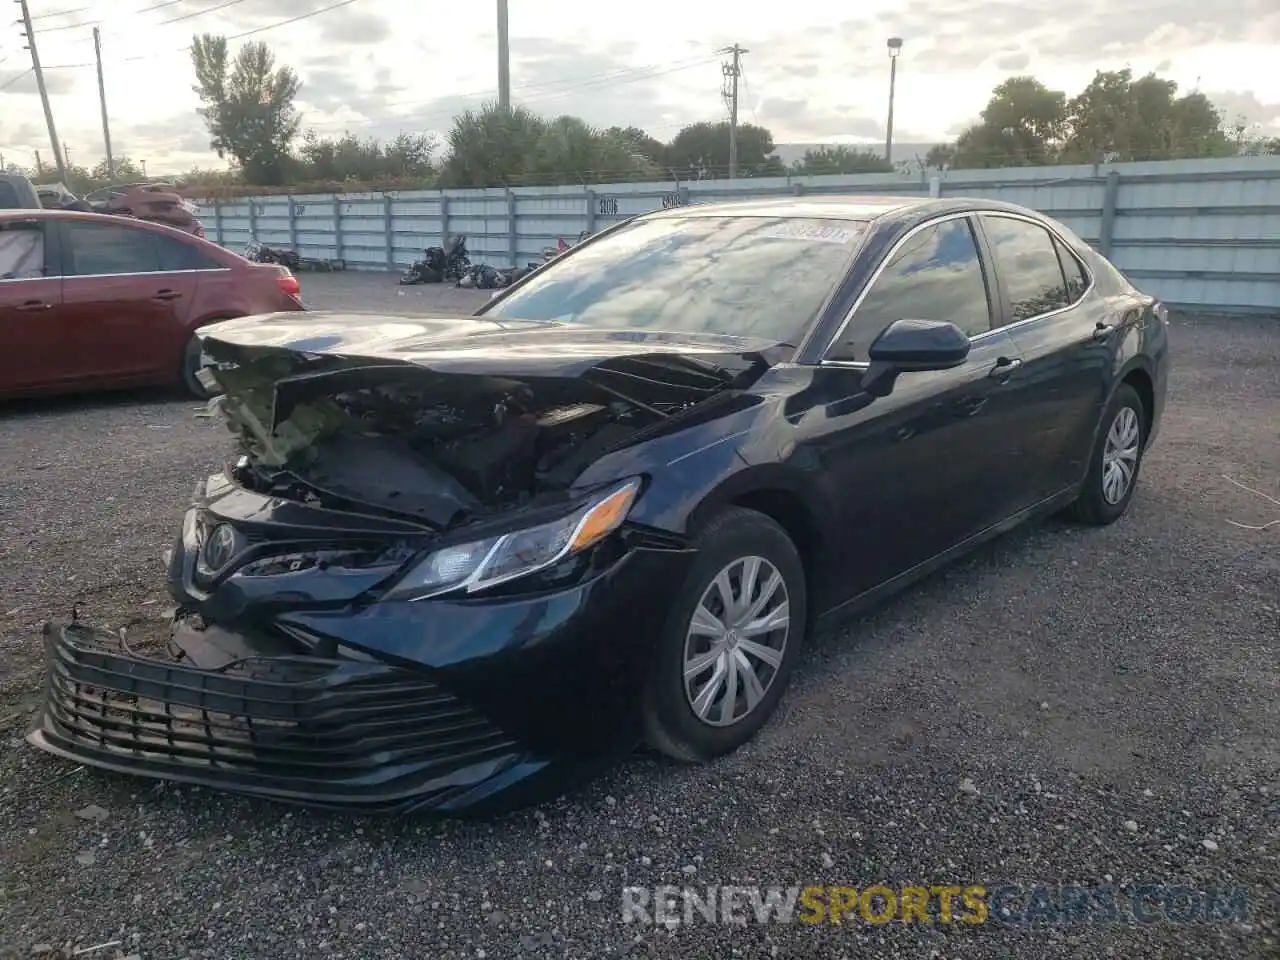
(1022, 124)
(640, 142)
(1121, 118)
(491, 146)
(701, 150)
(248, 106)
(839, 159)
(940, 155)
(407, 157)
(123, 170)
(497, 147)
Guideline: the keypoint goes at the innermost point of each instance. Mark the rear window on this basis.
(764, 277)
(21, 251)
(8, 196)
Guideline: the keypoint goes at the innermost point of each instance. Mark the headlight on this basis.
(485, 563)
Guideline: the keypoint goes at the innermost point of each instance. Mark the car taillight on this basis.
(289, 285)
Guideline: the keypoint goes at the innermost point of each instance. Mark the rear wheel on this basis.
(190, 367)
(730, 640)
(1114, 464)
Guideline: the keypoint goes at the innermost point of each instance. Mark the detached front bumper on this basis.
(300, 688)
(327, 733)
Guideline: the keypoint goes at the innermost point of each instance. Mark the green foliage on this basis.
(407, 157)
(248, 106)
(701, 150)
(1114, 118)
(839, 159)
(510, 147)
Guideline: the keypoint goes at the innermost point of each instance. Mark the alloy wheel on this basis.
(1120, 455)
(736, 640)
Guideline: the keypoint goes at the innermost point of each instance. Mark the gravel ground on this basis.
(1080, 706)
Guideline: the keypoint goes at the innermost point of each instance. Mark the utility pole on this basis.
(732, 71)
(44, 93)
(102, 99)
(504, 58)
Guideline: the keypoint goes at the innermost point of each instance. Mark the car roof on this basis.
(851, 206)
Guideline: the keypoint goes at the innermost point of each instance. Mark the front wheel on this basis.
(1115, 461)
(730, 640)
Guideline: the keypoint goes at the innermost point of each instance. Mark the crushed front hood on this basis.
(478, 345)
(442, 419)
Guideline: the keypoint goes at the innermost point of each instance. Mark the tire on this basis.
(733, 542)
(190, 366)
(1123, 422)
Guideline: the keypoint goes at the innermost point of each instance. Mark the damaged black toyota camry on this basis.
(462, 561)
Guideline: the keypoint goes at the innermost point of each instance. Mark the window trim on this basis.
(990, 280)
(1061, 241)
(985, 252)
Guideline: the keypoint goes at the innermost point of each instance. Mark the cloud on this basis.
(1013, 61)
(355, 28)
(57, 83)
(820, 75)
(1244, 105)
(806, 121)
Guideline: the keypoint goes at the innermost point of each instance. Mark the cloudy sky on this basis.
(816, 71)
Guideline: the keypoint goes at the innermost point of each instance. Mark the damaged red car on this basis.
(462, 561)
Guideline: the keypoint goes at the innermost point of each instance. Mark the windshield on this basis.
(747, 276)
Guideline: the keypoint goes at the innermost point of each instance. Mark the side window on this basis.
(21, 250)
(936, 275)
(1073, 270)
(104, 249)
(176, 255)
(1028, 264)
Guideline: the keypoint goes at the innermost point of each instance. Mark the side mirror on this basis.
(912, 346)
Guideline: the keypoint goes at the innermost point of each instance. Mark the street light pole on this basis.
(895, 47)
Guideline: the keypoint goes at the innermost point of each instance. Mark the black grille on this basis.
(334, 732)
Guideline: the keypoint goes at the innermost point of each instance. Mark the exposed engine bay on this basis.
(440, 449)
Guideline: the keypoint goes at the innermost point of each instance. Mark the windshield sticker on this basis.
(817, 233)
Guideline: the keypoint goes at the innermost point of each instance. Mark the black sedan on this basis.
(462, 560)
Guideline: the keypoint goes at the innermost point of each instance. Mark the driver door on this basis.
(935, 462)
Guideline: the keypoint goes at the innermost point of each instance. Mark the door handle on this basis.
(1102, 332)
(1004, 368)
(167, 295)
(32, 305)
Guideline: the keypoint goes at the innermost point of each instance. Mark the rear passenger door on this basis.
(123, 311)
(1065, 340)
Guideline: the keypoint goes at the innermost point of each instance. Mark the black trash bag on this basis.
(430, 269)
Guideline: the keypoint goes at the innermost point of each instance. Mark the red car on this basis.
(89, 300)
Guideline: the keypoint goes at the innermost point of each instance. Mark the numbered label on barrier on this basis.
(608, 206)
(671, 200)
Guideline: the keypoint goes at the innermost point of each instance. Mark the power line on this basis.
(135, 13)
(67, 13)
(235, 36)
(12, 80)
